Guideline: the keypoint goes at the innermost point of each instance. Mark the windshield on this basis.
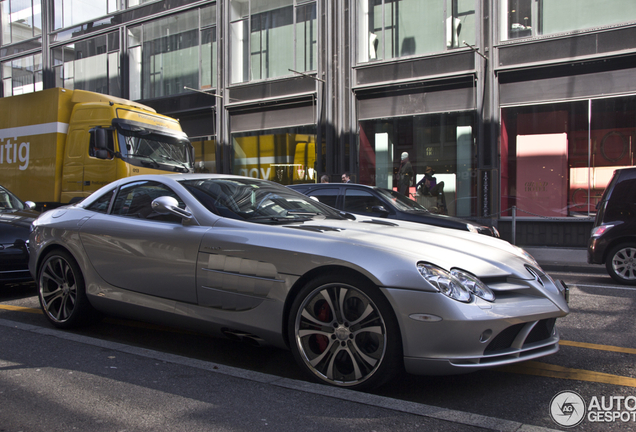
(154, 150)
(256, 201)
(401, 202)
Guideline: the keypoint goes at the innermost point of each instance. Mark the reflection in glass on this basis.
(90, 64)
(555, 163)
(530, 18)
(441, 145)
(263, 34)
(169, 54)
(398, 28)
(22, 75)
(286, 157)
(20, 20)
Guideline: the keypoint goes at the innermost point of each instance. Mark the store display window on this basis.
(286, 156)
(441, 146)
(557, 159)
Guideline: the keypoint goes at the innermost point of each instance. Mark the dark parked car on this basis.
(15, 226)
(384, 203)
(613, 238)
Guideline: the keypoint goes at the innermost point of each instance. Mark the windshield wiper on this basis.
(301, 212)
(146, 157)
(170, 158)
(278, 219)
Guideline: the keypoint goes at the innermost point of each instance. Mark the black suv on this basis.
(385, 203)
(613, 238)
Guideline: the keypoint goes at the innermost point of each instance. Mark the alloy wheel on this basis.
(58, 288)
(340, 334)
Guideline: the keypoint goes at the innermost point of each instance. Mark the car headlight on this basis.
(475, 286)
(445, 282)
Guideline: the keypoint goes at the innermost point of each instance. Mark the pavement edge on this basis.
(413, 408)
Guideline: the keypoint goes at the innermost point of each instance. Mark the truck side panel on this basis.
(33, 131)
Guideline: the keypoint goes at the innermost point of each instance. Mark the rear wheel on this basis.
(344, 333)
(62, 291)
(621, 263)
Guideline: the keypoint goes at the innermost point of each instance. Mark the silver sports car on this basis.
(355, 299)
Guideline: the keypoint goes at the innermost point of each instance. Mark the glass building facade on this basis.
(519, 107)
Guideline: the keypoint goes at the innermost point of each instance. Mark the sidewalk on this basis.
(564, 259)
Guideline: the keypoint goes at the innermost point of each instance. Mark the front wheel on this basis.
(621, 263)
(344, 333)
(62, 291)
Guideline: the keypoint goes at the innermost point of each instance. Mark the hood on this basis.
(398, 246)
(445, 247)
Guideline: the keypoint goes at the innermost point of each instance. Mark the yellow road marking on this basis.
(554, 371)
(598, 347)
(21, 309)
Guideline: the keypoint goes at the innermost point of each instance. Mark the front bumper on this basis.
(464, 337)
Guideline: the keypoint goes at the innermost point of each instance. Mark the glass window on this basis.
(169, 54)
(135, 199)
(22, 75)
(91, 64)
(204, 154)
(102, 203)
(529, 18)
(359, 201)
(67, 13)
(440, 147)
(20, 20)
(326, 196)
(264, 33)
(398, 28)
(284, 156)
(556, 163)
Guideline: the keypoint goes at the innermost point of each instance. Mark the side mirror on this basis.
(102, 154)
(380, 209)
(169, 205)
(30, 205)
(101, 138)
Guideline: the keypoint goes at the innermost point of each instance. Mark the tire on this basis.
(62, 292)
(621, 263)
(344, 333)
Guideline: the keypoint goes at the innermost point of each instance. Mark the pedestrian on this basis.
(405, 175)
(346, 178)
(428, 186)
(324, 179)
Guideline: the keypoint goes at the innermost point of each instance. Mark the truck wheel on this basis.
(344, 333)
(62, 292)
(621, 263)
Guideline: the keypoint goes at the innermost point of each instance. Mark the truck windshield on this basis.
(154, 150)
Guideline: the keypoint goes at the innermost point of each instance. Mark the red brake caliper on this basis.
(323, 315)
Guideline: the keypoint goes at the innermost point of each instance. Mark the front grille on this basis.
(504, 339)
(541, 331)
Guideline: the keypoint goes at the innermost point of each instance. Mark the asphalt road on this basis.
(52, 383)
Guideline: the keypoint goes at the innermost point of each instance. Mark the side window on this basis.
(135, 199)
(101, 205)
(92, 147)
(325, 196)
(360, 201)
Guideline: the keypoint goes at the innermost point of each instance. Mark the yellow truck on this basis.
(59, 145)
